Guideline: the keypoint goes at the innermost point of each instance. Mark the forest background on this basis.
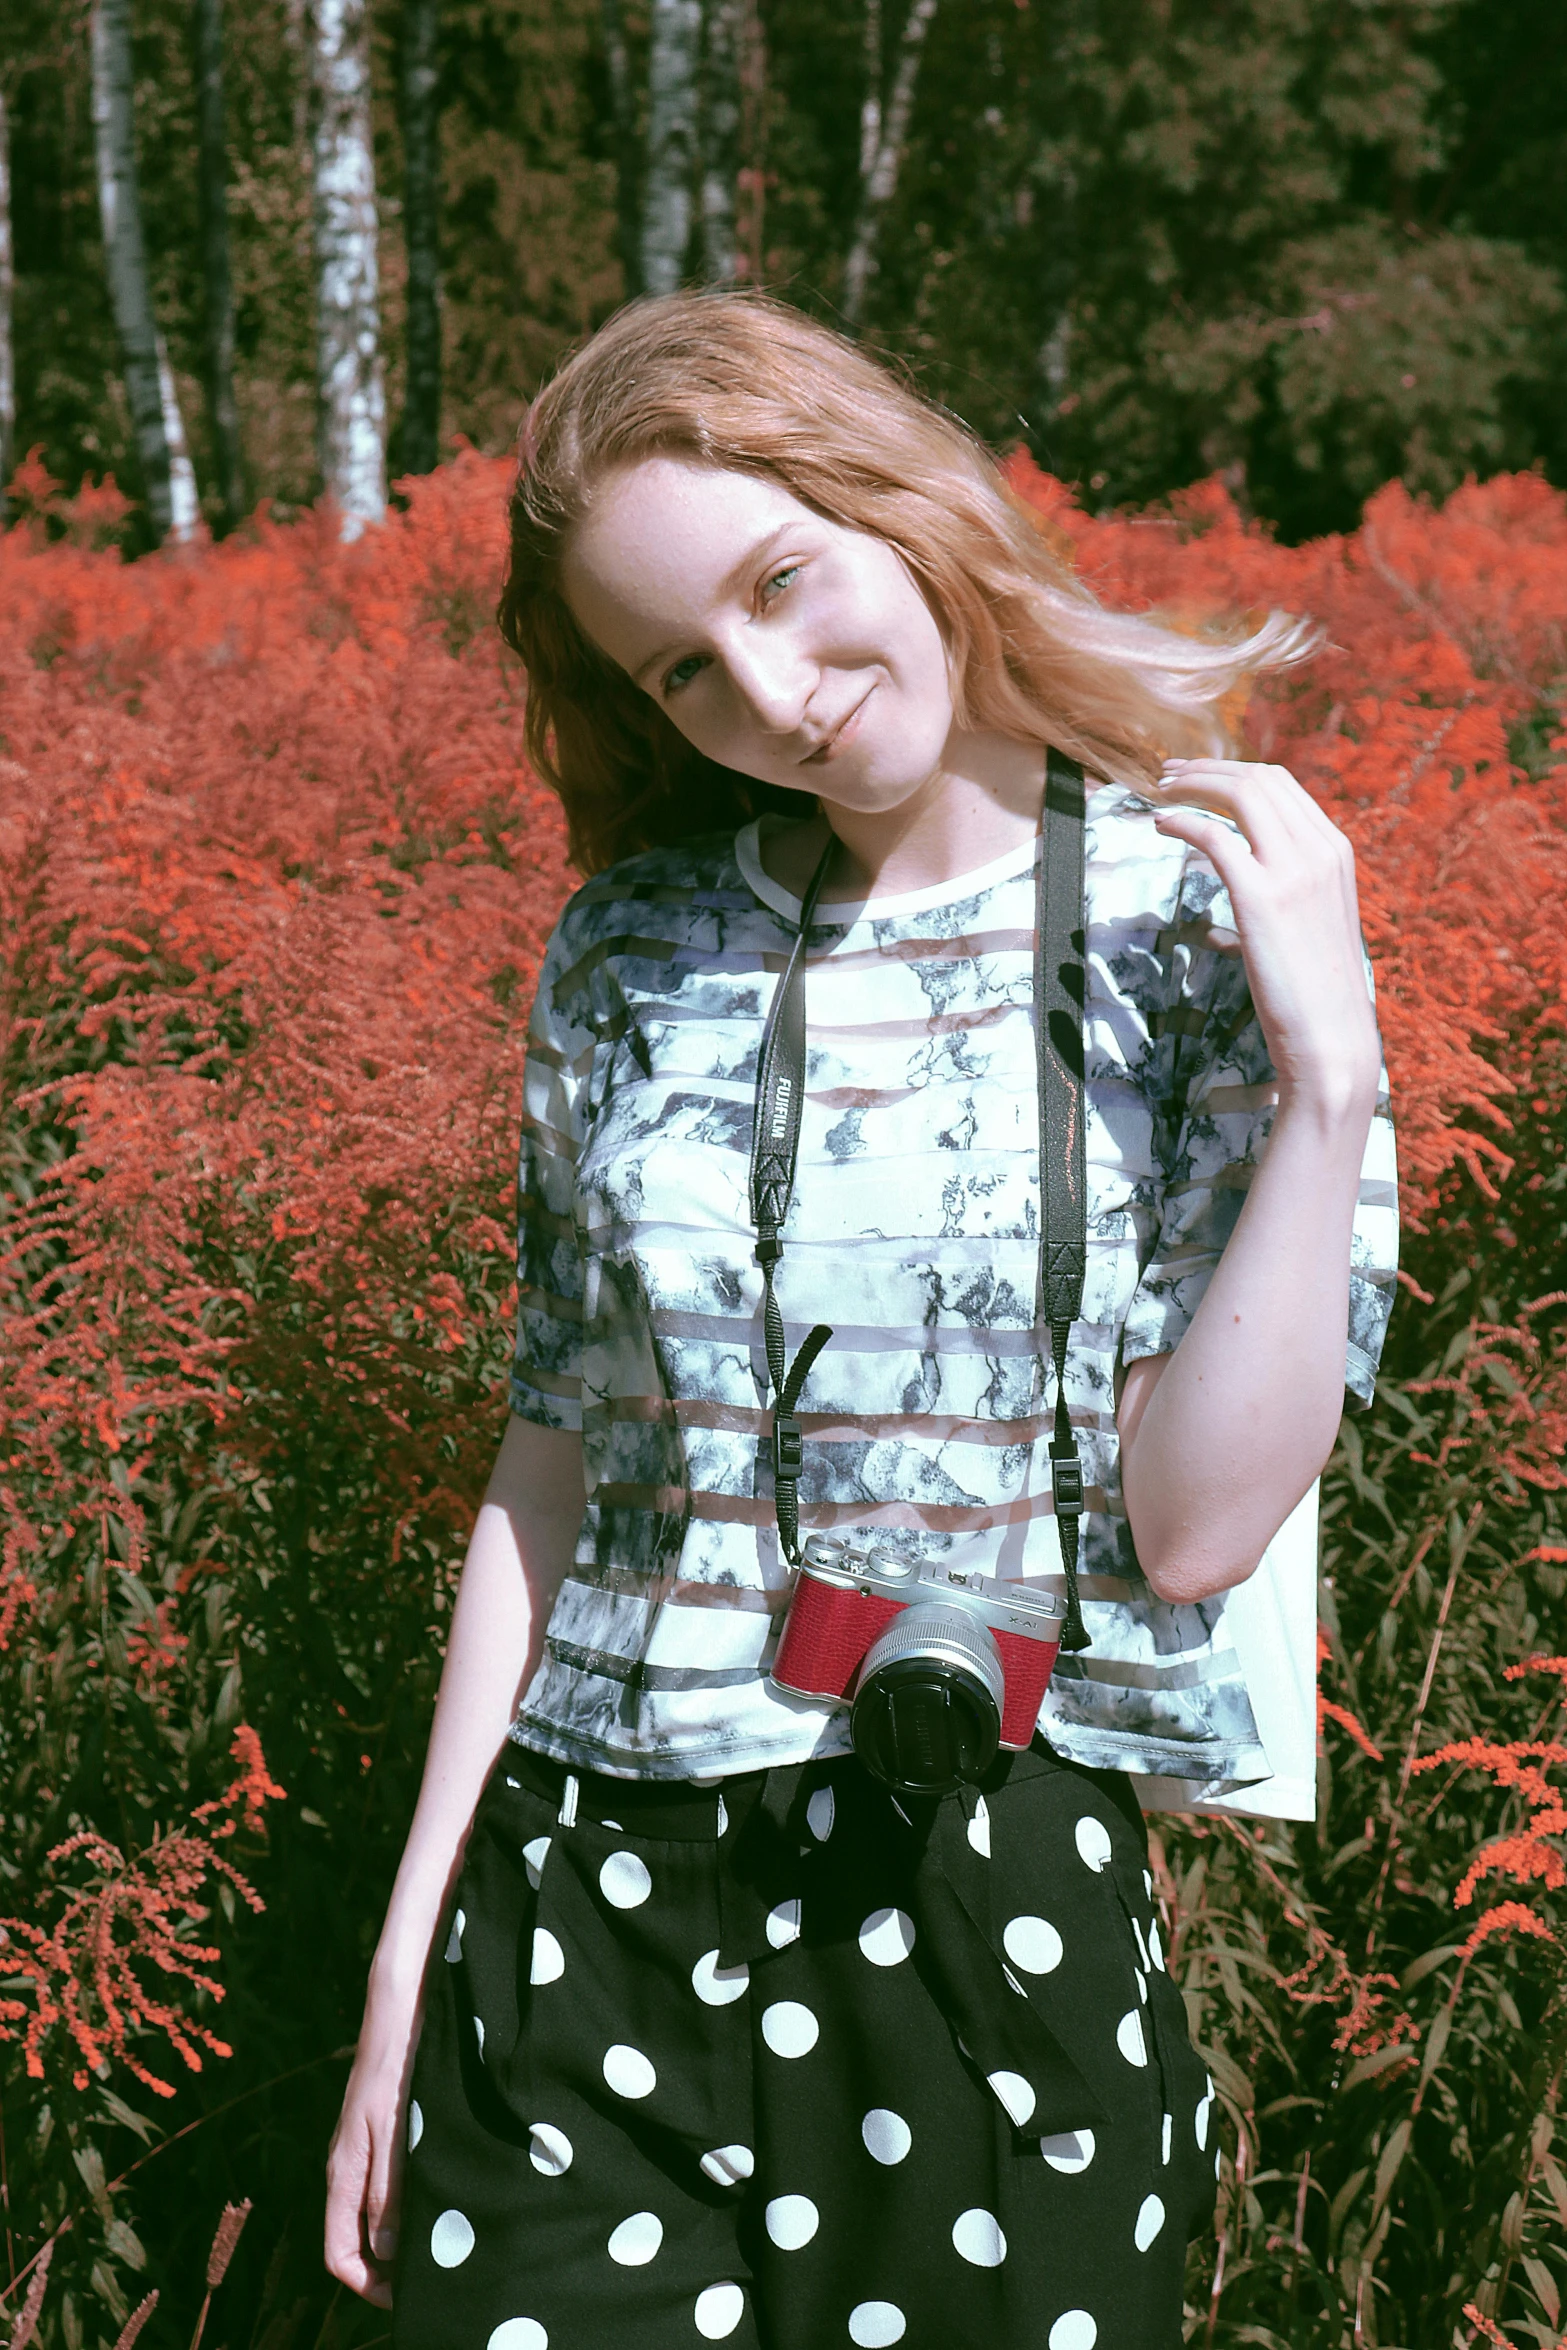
(1265, 298)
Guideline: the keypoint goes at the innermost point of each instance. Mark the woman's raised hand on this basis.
(1290, 874)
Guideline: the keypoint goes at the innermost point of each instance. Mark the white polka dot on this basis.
(454, 1939)
(783, 1924)
(1218, 2161)
(819, 1814)
(549, 2149)
(1093, 1846)
(977, 2238)
(533, 1861)
(727, 2166)
(478, 2032)
(722, 1815)
(718, 2311)
(1142, 1984)
(718, 1985)
(624, 1881)
(519, 2333)
(1033, 1944)
(792, 2220)
(549, 1960)
(1129, 2038)
(415, 2124)
(1074, 2329)
(451, 2239)
(876, 2325)
(1142, 1947)
(637, 2239)
(628, 2071)
(1204, 2109)
(1013, 1984)
(1148, 1883)
(1150, 2219)
(615, 1824)
(887, 1936)
(979, 1828)
(1155, 1946)
(789, 2029)
(1167, 2139)
(1015, 2094)
(887, 2135)
(1069, 2150)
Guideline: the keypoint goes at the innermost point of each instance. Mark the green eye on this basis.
(789, 571)
(682, 673)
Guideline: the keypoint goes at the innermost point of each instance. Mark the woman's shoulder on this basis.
(1137, 877)
(677, 895)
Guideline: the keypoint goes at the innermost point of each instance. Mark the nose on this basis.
(771, 678)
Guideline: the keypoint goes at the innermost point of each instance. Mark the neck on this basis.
(979, 806)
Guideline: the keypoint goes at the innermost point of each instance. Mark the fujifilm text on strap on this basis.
(1059, 994)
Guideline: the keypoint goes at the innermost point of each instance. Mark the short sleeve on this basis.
(546, 1377)
(1212, 1086)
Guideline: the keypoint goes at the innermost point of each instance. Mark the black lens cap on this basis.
(924, 1727)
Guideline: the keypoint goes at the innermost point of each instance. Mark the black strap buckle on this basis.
(1066, 1484)
(788, 1446)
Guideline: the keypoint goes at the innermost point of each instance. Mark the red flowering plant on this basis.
(273, 887)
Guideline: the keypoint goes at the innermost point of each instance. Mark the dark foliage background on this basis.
(1313, 243)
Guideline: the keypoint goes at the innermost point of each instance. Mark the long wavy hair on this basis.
(742, 381)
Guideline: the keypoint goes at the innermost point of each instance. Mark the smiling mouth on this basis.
(841, 735)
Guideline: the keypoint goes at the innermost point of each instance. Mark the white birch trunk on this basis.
(351, 393)
(7, 313)
(675, 46)
(149, 380)
(720, 140)
(885, 155)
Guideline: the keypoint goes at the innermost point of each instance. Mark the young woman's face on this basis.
(780, 644)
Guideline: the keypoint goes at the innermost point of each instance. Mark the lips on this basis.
(840, 735)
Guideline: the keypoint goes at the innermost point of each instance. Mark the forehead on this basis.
(661, 537)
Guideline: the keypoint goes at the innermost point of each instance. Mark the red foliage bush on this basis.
(273, 886)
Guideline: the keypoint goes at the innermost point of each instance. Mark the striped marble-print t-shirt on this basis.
(913, 1232)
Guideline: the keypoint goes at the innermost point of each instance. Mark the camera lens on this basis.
(927, 1707)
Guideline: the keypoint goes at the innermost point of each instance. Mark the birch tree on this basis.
(217, 277)
(674, 52)
(350, 390)
(623, 120)
(420, 441)
(720, 138)
(149, 379)
(884, 135)
(7, 311)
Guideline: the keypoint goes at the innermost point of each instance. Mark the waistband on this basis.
(697, 1811)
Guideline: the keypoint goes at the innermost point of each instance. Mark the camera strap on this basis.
(1060, 989)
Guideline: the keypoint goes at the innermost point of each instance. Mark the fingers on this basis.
(347, 2175)
(383, 2198)
(1270, 807)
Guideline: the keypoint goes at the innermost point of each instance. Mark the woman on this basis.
(731, 2043)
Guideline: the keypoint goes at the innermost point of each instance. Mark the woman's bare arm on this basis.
(521, 1546)
(1221, 1439)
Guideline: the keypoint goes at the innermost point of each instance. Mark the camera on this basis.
(944, 1667)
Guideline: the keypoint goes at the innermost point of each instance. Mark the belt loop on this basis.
(568, 1801)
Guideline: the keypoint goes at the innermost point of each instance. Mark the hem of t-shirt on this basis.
(544, 1411)
(685, 1762)
(846, 913)
(1282, 1797)
(1236, 1761)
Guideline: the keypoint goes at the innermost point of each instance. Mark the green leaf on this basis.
(125, 2244)
(1547, 2291)
(1366, 2068)
(1390, 2162)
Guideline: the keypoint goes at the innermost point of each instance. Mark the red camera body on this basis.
(845, 1598)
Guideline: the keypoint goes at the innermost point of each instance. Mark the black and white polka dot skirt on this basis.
(779, 2064)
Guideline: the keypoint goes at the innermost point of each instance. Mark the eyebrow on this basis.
(726, 585)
